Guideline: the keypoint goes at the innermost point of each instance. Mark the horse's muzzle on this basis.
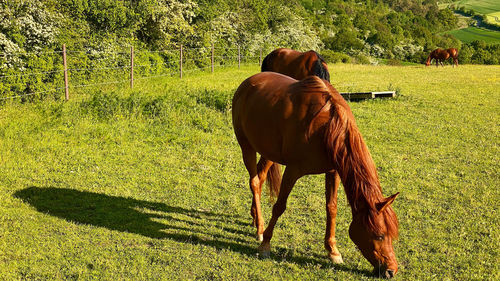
(388, 273)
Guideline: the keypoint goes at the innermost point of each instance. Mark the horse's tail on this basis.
(273, 179)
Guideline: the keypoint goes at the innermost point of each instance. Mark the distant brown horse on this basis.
(440, 55)
(308, 126)
(296, 64)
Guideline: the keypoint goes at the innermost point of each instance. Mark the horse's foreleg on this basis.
(290, 176)
(332, 181)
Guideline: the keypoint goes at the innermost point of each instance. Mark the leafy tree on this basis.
(166, 22)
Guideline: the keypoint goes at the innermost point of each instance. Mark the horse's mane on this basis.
(319, 68)
(265, 63)
(356, 168)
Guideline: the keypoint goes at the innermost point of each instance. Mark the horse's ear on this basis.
(381, 206)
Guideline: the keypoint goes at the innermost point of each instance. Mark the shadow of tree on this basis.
(155, 220)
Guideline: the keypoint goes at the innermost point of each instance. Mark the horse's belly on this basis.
(266, 142)
(309, 155)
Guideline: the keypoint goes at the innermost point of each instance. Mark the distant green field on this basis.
(488, 8)
(470, 34)
(493, 18)
(479, 6)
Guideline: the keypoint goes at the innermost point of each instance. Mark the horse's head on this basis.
(373, 234)
(429, 59)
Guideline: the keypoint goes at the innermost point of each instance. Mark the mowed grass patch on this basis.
(483, 7)
(148, 183)
(489, 8)
(470, 34)
(494, 18)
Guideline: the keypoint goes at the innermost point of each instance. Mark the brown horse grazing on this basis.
(440, 55)
(307, 126)
(296, 64)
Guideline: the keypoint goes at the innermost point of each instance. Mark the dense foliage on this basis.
(98, 33)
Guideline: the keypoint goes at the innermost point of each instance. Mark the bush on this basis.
(361, 59)
(478, 52)
(335, 57)
(394, 62)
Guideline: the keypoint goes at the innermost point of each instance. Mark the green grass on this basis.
(148, 184)
(493, 18)
(488, 8)
(470, 34)
(483, 7)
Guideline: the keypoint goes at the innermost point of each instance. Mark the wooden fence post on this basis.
(212, 60)
(131, 66)
(66, 83)
(180, 63)
(239, 57)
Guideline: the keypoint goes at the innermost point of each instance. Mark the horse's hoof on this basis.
(264, 254)
(264, 251)
(260, 237)
(336, 258)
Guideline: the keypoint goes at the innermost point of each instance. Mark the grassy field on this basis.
(488, 8)
(148, 184)
(483, 7)
(470, 34)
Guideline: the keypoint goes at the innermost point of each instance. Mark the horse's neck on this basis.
(429, 59)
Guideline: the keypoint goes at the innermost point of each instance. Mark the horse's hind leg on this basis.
(289, 178)
(332, 181)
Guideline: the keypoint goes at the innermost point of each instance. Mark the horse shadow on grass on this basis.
(158, 221)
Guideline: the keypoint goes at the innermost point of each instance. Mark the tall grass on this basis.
(148, 183)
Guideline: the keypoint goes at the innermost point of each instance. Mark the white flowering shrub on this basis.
(287, 30)
(167, 22)
(406, 50)
(27, 31)
(28, 24)
(374, 50)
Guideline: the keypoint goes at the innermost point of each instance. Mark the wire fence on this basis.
(27, 75)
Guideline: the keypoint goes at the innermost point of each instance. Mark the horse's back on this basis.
(267, 90)
(296, 64)
(283, 56)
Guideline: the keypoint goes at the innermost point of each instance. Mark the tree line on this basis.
(343, 30)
